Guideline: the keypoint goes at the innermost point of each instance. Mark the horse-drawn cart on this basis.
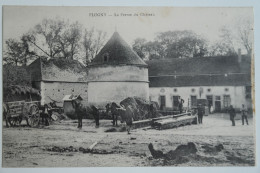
(19, 110)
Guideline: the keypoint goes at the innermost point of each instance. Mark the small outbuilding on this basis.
(67, 104)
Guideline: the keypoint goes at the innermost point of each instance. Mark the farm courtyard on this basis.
(62, 145)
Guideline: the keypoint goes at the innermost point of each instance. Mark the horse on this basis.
(113, 108)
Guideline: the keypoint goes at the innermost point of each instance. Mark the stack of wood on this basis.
(174, 121)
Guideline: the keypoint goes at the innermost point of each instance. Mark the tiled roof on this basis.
(238, 79)
(118, 52)
(200, 65)
(204, 71)
(58, 70)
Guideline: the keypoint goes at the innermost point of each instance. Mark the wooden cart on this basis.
(20, 110)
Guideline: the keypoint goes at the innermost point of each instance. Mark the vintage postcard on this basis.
(128, 87)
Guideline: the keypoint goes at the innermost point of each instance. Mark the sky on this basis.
(207, 22)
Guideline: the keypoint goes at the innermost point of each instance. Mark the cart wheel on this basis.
(33, 116)
(11, 121)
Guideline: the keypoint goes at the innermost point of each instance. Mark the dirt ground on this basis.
(63, 145)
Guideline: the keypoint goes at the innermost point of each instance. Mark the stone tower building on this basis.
(116, 73)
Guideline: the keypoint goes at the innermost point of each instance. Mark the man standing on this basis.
(45, 115)
(200, 113)
(244, 114)
(79, 111)
(232, 114)
(129, 118)
(181, 101)
(95, 114)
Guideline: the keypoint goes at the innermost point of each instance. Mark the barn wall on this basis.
(101, 93)
(237, 94)
(57, 90)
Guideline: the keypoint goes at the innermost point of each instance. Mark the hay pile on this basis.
(142, 109)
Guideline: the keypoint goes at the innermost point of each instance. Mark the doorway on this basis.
(210, 101)
(175, 102)
(217, 106)
(163, 102)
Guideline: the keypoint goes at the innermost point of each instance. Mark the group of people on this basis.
(244, 113)
(231, 111)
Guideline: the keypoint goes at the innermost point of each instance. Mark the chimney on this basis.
(239, 57)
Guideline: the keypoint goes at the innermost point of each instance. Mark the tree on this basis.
(139, 47)
(56, 38)
(93, 40)
(225, 45)
(69, 40)
(17, 52)
(153, 50)
(50, 30)
(179, 44)
(245, 33)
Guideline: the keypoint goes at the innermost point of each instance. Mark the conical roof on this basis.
(117, 52)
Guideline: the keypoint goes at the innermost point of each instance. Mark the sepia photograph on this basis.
(128, 87)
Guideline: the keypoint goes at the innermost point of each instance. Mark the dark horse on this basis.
(115, 111)
(5, 113)
(13, 121)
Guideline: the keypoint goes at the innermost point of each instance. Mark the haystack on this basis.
(142, 109)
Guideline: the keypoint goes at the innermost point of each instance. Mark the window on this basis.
(248, 89)
(226, 89)
(193, 101)
(248, 92)
(210, 100)
(193, 90)
(217, 98)
(175, 89)
(162, 90)
(105, 57)
(209, 89)
(226, 101)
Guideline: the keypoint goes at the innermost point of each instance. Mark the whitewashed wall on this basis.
(118, 73)
(115, 83)
(101, 93)
(57, 90)
(237, 94)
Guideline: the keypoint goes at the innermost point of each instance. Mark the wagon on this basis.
(21, 110)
